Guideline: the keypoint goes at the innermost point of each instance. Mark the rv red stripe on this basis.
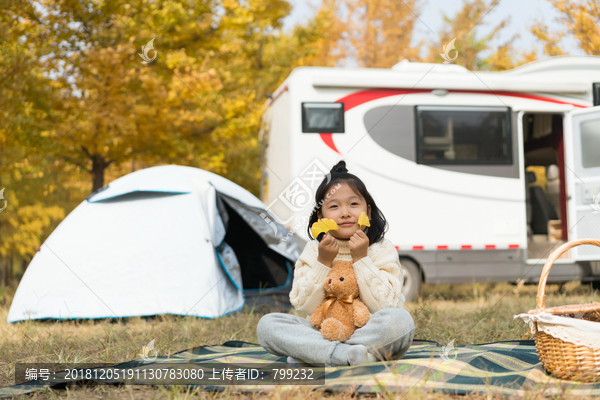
(364, 96)
(521, 95)
(328, 139)
(462, 247)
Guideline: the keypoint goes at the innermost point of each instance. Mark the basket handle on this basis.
(541, 296)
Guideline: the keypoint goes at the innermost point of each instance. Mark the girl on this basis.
(390, 330)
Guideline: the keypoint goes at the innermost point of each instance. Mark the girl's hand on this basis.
(359, 244)
(328, 249)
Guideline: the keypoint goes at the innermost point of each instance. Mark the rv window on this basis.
(463, 135)
(590, 144)
(596, 93)
(323, 117)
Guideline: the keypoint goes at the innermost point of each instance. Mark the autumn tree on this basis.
(28, 101)
(380, 31)
(321, 40)
(581, 20)
(469, 44)
(198, 103)
(370, 33)
(117, 107)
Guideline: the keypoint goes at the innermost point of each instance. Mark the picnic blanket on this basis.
(510, 368)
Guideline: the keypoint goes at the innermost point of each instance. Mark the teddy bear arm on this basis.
(361, 313)
(316, 319)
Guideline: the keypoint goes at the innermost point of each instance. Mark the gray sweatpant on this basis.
(388, 335)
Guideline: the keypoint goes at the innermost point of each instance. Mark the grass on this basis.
(467, 313)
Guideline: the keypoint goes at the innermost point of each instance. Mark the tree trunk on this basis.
(9, 273)
(1, 204)
(3, 274)
(98, 167)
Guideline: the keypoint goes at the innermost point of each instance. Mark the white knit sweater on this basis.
(379, 276)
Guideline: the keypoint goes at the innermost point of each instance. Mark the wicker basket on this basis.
(563, 359)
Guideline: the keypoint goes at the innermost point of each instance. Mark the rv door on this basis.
(582, 158)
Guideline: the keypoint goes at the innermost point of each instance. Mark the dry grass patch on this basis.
(467, 313)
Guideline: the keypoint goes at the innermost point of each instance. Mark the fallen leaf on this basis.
(323, 225)
(363, 220)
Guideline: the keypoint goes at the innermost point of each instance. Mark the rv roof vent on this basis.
(408, 66)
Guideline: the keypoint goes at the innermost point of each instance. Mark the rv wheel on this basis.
(412, 279)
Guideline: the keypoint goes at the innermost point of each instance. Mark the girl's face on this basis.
(344, 207)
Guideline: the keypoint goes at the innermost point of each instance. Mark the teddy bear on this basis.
(342, 312)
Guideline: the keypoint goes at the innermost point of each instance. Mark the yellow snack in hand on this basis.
(363, 220)
(322, 226)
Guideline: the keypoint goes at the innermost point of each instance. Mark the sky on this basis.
(522, 13)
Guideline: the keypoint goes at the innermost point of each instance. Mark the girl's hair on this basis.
(338, 175)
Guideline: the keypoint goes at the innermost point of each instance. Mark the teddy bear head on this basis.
(341, 280)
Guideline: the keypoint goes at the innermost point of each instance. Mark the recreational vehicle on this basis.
(480, 175)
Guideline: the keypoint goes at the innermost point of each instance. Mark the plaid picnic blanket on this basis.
(509, 368)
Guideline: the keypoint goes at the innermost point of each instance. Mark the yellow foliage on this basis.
(24, 226)
(580, 18)
(363, 219)
(550, 40)
(469, 45)
(323, 225)
(380, 31)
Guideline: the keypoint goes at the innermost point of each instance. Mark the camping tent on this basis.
(163, 240)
